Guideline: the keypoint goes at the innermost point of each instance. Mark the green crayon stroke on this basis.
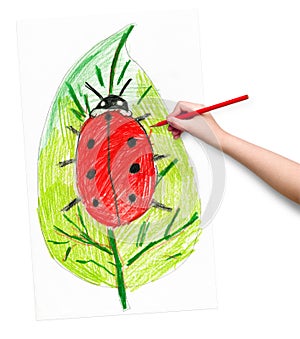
(71, 222)
(162, 173)
(99, 76)
(81, 220)
(84, 238)
(116, 56)
(174, 256)
(167, 237)
(79, 90)
(58, 242)
(67, 253)
(77, 114)
(140, 233)
(96, 263)
(86, 102)
(75, 99)
(123, 72)
(144, 234)
(171, 222)
(144, 94)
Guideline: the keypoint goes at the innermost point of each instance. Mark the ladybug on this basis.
(115, 164)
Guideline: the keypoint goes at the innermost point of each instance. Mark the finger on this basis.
(180, 107)
(177, 136)
(179, 124)
(184, 106)
(172, 129)
(176, 131)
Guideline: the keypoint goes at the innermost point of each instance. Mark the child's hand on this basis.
(201, 126)
(279, 172)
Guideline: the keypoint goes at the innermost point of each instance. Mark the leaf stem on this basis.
(119, 268)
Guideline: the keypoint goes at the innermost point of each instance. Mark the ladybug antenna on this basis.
(124, 87)
(87, 85)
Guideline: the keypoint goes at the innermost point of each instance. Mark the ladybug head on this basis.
(110, 103)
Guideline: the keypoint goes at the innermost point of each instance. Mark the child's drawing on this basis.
(118, 204)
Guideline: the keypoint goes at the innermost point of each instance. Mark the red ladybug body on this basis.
(115, 169)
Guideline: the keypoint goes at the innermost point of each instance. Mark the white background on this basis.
(247, 47)
(45, 55)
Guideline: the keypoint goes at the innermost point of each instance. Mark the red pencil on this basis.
(203, 110)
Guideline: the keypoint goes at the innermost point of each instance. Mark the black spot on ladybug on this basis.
(134, 168)
(108, 116)
(95, 202)
(91, 143)
(132, 198)
(91, 174)
(131, 142)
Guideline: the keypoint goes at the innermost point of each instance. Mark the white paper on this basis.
(166, 45)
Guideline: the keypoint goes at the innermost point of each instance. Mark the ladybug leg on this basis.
(66, 162)
(142, 117)
(157, 204)
(73, 130)
(71, 204)
(159, 156)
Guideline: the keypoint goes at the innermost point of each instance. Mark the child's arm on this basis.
(279, 172)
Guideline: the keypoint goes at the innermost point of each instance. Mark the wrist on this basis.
(222, 138)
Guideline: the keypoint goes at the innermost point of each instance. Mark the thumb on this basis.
(180, 124)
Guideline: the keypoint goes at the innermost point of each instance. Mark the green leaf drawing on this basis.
(132, 255)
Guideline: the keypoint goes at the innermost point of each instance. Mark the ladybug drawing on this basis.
(115, 163)
(118, 205)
